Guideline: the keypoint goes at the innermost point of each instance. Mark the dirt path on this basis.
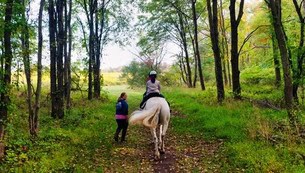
(182, 154)
(188, 154)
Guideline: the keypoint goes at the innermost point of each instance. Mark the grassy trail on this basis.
(203, 136)
(184, 153)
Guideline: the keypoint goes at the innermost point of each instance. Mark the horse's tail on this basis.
(149, 117)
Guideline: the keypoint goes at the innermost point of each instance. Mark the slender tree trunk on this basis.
(298, 70)
(213, 21)
(65, 47)
(275, 6)
(97, 81)
(67, 52)
(196, 63)
(25, 40)
(185, 48)
(68, 61)
(276, 61)
(91, 49)
(34, 120)
(5, 99)
(182, 68)
(234, 47)
(197, 55)
(224, 44)
(60, 55)
(53, 76)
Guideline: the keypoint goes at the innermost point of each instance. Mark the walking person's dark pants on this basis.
(122, 125)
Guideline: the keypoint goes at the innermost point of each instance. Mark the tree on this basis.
(197, 52)
(224, 46)
(105, 19)
(235, 21)
(213, 21)
(298, 71)
(56, 35)
(174, 22)
(275, 8)
(6, 75)
(67, 52)
(34, 119)
(25, 42)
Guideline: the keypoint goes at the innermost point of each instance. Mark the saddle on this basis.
(145, 98)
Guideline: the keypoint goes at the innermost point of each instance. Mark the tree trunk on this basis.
(298, 70)
(97, 64)
(5, 99)
(25, 41)
(213, 21)
(196, 62)
(275, 6)
(34, 120)
(276, 61)
(91, 48)
(53, 75)
(68, 47)
(60, 55)
(234, 47)
(185, 48)
(224, 45)
(197, 55)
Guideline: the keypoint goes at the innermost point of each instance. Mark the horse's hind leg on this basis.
(164, 129)
(157, 153)
(160, 139)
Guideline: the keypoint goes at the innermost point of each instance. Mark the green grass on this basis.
(82, 141)
(245, 128)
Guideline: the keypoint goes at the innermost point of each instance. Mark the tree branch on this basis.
(241, 11)
(249, 36)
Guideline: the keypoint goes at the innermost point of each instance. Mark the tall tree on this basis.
(224, 46)
(5, 99)
(235, 21)
(197, 55)
(276, 11)
(182, 32)
(298, 71)
(67, 52)
(52, 38)
(60, 54)
(25, 42)
(34, 119)
(57, 41)
(213, 21)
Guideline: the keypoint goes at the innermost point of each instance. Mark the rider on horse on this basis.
(152, 88)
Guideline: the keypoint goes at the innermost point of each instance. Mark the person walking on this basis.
(121, 116)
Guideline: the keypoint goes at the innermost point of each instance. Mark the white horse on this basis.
(156, 112)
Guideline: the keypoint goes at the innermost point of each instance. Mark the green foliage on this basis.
(258, 75)
(171, 77)
(135, 73)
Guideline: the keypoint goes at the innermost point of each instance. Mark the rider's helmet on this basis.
(152, 73)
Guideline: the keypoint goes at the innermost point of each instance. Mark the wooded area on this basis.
(229, 47)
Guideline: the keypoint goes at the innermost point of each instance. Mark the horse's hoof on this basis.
(157, 156)
(162, 152)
